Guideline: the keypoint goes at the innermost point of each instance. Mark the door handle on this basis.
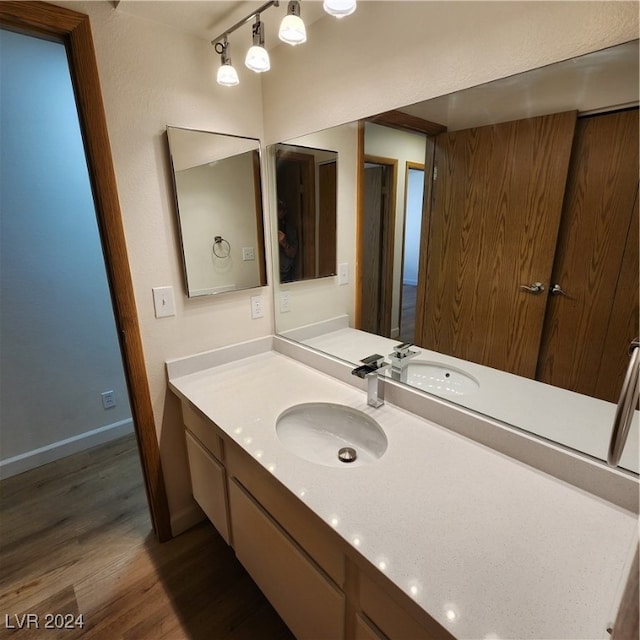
(535, 288)
(557, 290)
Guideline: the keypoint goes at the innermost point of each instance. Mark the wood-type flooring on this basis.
(76, 547)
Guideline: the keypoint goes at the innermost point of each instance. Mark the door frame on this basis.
(73, 29)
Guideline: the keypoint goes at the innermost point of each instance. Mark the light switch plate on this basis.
(248, 253)
(257, 307)
(343, 273)
(163, 302)
(285, 302)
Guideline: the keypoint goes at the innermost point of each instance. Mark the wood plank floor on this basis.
(76, 539)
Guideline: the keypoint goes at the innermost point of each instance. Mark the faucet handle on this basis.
(374, 361)
(403, 350)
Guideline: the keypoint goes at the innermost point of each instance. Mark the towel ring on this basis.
(221, 247)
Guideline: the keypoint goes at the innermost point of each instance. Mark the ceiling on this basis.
(207, 19)
(602, 80)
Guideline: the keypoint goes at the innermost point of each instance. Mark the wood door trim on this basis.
(427, 203)
(74, 29)
(407, 122)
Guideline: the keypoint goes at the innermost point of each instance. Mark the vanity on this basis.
(438, 537)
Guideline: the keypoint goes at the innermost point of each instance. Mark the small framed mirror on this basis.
(218, 192)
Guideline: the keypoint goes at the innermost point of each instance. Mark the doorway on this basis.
(414, 191)
(74, 31)
(376, 242)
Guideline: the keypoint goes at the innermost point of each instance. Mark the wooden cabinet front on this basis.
(310, 605)
(208, 484)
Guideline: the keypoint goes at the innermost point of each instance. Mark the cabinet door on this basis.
(208, 484)
(305, 599)
(365, 630)
(392, 619)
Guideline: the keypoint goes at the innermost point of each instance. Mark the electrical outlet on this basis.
(108, 399)
(343, 273)
(285, 301)
(257, 307)
(163, 302)
(248, 253)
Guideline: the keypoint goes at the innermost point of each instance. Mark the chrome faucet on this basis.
(400, 357)
(370, 369)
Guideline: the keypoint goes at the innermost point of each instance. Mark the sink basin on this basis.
(441, 379)
(333, 435)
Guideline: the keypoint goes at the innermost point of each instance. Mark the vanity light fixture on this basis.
(258, 57)
(227, 75)
(339, 8)
(292, 29)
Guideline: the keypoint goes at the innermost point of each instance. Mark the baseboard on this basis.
(62, 448)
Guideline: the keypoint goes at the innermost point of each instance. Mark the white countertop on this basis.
(572, 419)
(489, 547)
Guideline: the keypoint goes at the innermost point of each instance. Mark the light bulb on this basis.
(292, 29)
(339, 8)
(227, 75)
(258, 59)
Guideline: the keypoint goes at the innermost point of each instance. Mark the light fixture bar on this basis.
(251, 16)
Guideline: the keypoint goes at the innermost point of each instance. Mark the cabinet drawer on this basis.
(286, 509)
(208, 484)
(366, 631)
(202, 428)
(305, 599)
(393, 619)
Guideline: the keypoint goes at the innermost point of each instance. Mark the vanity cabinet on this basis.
(208, 476)
(319, 585)
(305, 599)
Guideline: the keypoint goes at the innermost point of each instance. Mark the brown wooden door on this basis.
(588, 331)
(376, 238)
(491, 222)
(327, 219)
(295, 184)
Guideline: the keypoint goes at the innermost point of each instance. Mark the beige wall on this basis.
(151, 76)
(395, 53)
(387, 54)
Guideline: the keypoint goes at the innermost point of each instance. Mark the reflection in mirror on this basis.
(306, 193)
(219, 202)
(531, 179)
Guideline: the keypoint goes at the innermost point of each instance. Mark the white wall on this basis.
(219, 200)
(322, 299)
(152, 76)
(59, 345)
(394, 53)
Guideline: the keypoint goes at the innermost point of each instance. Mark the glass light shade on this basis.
(339, 8)
(257, 59)
(292, 30)
(227, 75)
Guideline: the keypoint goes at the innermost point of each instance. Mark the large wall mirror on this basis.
(496, 229)
(219, 203)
